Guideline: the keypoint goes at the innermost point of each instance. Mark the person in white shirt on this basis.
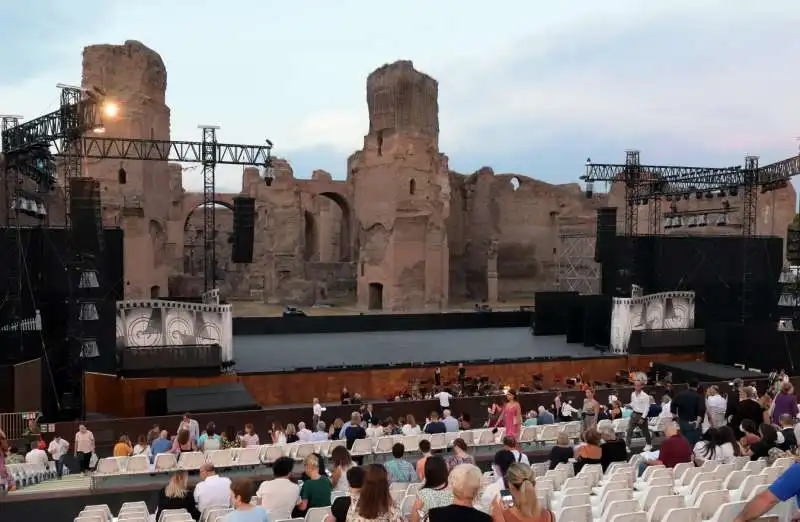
(316, 409)
(640, 404)
(213, 490)
(190, 425)
(374, 430)
(320, 435)
(303, 433)
(142, 448)
(411, 427)
(568, 410)
(503, 460)
(510, 444)
(279, 495)
(666, 403)
(450, 422)
(37, 457)
(444, 399)
(57, 449)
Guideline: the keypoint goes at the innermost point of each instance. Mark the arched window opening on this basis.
(412, 187)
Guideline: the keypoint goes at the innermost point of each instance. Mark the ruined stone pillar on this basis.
(491, 273)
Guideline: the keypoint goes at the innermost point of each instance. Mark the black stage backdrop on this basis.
(710, 266)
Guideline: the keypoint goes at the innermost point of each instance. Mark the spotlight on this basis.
(110, 109)
(100, 129)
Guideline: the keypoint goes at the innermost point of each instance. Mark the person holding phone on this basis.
(520, 503)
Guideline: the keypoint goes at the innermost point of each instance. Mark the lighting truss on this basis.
(576, 268)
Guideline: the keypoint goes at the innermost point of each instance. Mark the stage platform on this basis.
(684, 371)
(271, 353)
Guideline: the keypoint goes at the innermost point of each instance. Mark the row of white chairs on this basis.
(29, 474)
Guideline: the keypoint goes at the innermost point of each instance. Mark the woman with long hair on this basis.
(769, 439)
(278, 436)
(460, 455)
(177, 495)
(291, 434)
(340, 462)
(142, 448)
(434, 492)
(511, 417)
(335, 429)
(210, 440)
(729, 447)
(590, 452)
(526, 507)
(183, 442)
(250, 438)
(707, 448)
(411, 427)
(374, 503)
(230, 439)
(590, 410)
(5, 476)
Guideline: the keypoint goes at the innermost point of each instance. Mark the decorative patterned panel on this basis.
(662, 311)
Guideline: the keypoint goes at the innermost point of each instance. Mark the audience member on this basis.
(84, 447)
(177, 495)
(321, 434)
(243, 511)
(123, 447)
(368, 413)
(561, 452)
(785, 403)
(526, 506)
(336, 430)
(690, 408)
(280, 495)
(354, 432)
(748, 409)
(153, 434)
(341, 462)
(787, 430)
(37, 457)
(142, 448)
(375, 502)
(460, 454)
(510, 444)
(434, 425)
(503, 460)
(340, 506)
(316, 491)
(530, 419)
(162, 444)
(751, 434)
(212, 490)
(277, 434)
(666, 406)
(708, 448)
(716, 405)
(465, 482)
(728, 445)
(434, 492)
(425, 449)
(231, 439)
(291, 434)
(640, 408)
(190, 425)
(769, 439)
(183, 442)
(675, 448)
(545, 417)
(375, 428)
(450, 423)
(511, 416)
(612, 449)
(465, 421)
(57, 449)
(654, 411)
(250, 438)
(411, 427)
(399, 469)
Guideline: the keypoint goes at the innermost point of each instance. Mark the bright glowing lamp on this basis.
(110, 109)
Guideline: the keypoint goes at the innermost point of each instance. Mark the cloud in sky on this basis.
(526, 87)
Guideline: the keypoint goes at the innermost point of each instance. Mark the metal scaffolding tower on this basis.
(576, 268)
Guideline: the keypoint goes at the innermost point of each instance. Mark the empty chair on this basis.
(248, 457)
(165, 462)
(617, 484)
(138, 464)
(755, 466)
(361, 448)
(620, 507)
(686, 477)
(108, 466)
(728, 511)
(622, 495)
(684, 514)
(318, 514)
(662, 505)
(220, 458)
(735, 479)
(651, 470)
(702, 487)
(639, 516)
(709, 501)
(580, 499)
(680, 469)
(772, 473)
(575, 513)
(723, 470)
(748, 485)
(652, 494)
(191, 460)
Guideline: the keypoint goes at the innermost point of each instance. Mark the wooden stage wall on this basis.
(121, 397)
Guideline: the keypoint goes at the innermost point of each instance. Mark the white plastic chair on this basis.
(619, 507)
(138, 464)
(317, 514)
(728, 511)
(575, 514)
(191, 460)
(709, 502)
(361, 448)
(639, 516)
(662, 505)
(165, 462)
(108, 466)
(684, 514)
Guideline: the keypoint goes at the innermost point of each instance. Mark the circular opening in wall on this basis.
(514, 184)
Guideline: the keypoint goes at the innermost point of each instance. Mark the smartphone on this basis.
(323, 409)
(508, 500)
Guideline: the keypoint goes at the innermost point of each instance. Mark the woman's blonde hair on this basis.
(290, 429)
(520, 477)
(178, 486)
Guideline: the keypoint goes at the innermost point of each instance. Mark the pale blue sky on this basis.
(531, 87)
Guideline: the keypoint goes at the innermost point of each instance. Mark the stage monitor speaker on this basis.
(85, 215)
(606, 230)
(793, 245)
(244, 210)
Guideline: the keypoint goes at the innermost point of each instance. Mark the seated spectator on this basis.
(544, 417)
(177, 495)
(375, 428)
(212, 490)
(708, 448)
(303, 433)
(530, 419)
(280, 495)
(450, 422)
(390, 427)
(460, 455)
(231, 439)
(243, 510)
(210, 440)
(321, 434)
(590, 452)
(411, 427)
(375, 502)
(250, 438)
(769, 440)
(503, 460)
(291, 434)
(612, 449)
(316, 491)
(14, 457)
(425, 449)
(142, 448)
(526, 506)
(465, 422)
(335, 431)
(561, 452)
(354, 432)
(434, 425)
(751, 434)
(277, 433)
(37, 457)
(465, 481)
(675, 449)
(341, 462)
(787, 429)
(399, 469)
(123, 447)
(510, 444)
(340, 506)
(729, 447)
(162, 444)
(434, 492)
(153, 434)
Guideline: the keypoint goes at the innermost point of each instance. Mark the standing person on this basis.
(462, 375)
(437, 376)
(84, 447)
(690, 408)
(57, 449)
(511, 417)
(640, 404)
(190, 425)
(316, 409)
(590, 410)
(444, 400)
(785, 403)
(716, 406)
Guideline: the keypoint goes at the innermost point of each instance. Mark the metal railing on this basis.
(14, 425)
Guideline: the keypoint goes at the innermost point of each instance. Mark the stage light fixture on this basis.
(110, 109)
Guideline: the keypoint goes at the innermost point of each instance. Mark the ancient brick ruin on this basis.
(402, 232)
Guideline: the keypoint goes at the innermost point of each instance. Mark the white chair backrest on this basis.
(317, 514)
(580, 499)
(662, 505)
(684, 514)
(620, 507)
(749, 484)
(710, 501)
(639, 516)
(735, 479)
(728, 511)
(656, 492)
(619, 495)
(575, 514)
(407, 504)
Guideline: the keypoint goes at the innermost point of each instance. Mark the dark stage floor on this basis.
(684, 371)
(265, 353)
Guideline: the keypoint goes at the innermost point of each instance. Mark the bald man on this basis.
(213, 490)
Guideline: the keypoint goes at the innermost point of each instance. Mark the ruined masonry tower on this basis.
(401, 189)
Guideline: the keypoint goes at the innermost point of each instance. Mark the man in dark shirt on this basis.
(354, 431)
(690, 408)
(435, 425)
(787, 430)
(674, 449)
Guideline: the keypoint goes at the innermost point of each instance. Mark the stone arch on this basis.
(193, 236)
(345, 232)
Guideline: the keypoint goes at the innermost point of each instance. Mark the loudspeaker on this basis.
(606, 230)
(793, 245)
(87, 224)
(244, 216)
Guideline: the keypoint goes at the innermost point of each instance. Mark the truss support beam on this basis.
(208, 151)
(575, 265)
